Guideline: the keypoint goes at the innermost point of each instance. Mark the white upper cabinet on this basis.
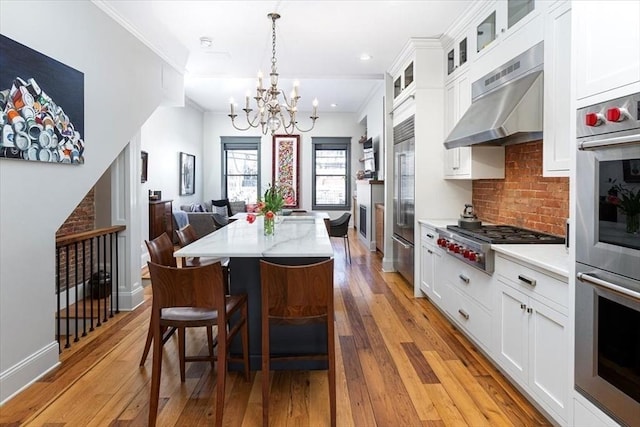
(502, 30)
(607, 42)
(467, 162)
(558, 111)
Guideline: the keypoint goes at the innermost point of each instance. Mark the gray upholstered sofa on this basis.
(200, 218)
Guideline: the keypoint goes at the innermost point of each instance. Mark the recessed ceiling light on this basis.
(334, 105)
(205, 42)
(365, 57)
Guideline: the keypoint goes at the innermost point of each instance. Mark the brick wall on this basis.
(524, 198)
(81, 219)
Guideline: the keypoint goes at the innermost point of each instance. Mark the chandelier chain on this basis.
(269, 115)
(273, 44)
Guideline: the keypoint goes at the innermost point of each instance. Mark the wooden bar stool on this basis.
(296, 295)
(161, 252)
(195, 297)
(186, 236)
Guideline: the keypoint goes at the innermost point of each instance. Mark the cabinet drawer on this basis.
(532, 281)
(428, 235)
(469, 280)
(469, 315)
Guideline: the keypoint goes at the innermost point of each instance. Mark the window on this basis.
(331, 184)
(241, 168)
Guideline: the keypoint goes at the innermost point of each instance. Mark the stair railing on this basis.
(86, 282)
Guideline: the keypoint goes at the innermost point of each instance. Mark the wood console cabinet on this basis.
(160, 219)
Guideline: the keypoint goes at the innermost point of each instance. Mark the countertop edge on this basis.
(559, 265)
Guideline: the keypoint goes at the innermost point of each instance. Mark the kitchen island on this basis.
(298, 240)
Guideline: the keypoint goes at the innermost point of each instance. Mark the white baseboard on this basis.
(26, 372)
(131, 300)
(387, 265)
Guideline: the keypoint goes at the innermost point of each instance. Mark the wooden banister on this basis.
(85, 235)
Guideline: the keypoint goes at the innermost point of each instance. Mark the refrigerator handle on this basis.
(400, 242)
(399, 168)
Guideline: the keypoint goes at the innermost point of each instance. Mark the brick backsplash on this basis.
(524, 198)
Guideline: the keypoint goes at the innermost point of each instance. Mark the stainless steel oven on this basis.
(607, 335)
(607, 352)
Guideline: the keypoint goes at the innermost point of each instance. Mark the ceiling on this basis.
(318, 43)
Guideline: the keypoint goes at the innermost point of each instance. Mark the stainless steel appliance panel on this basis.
(404, 198)
(403, 195)
(607, 342)
(403, 253)
(608, 171)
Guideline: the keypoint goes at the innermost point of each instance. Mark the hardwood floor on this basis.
(400, 363)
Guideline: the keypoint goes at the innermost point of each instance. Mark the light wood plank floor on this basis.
(400, 363)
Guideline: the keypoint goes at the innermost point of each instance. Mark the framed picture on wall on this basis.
(144, 157)
(286, 166)
(187, 174)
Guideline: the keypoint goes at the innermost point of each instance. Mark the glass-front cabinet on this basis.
(499, 21)
(403, 81)
(457, 58)
(486, 32)
(518, 9)
(462, 52)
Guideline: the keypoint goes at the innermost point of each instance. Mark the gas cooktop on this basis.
(505, 234)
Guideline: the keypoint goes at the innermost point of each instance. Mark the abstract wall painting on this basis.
(41, 107)
(286, 165)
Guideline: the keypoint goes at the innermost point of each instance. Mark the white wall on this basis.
(373, 111)
(123, 84)
(169, 131)
(329, 124)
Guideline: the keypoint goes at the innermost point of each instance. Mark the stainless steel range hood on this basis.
(507, 105)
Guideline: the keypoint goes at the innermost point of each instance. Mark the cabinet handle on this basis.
(523, 306)
(429, 251)
(463, 314)
(464, 278)
(431, 236)
(529, 310)
(529, 281)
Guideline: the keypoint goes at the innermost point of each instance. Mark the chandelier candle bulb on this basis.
(231, 103)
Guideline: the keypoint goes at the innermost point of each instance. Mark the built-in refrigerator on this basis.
(404, 198)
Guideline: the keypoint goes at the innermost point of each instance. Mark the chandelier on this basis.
(272, 113)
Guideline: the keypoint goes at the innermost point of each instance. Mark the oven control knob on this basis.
(457, 249)
(466, 253)
(593, 119)
(442, 242)
(451, 246)
(472, 256)
(615, 114)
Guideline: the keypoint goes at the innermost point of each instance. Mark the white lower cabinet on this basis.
(430, 258)
(532, 338)
(467, 299)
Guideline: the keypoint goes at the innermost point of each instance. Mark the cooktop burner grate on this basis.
(506, 234)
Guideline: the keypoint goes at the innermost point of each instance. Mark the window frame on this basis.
(231, 143)
(333, 143)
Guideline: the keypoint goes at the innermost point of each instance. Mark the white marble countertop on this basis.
(439, 223)
(295, 236)
(553, 258)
